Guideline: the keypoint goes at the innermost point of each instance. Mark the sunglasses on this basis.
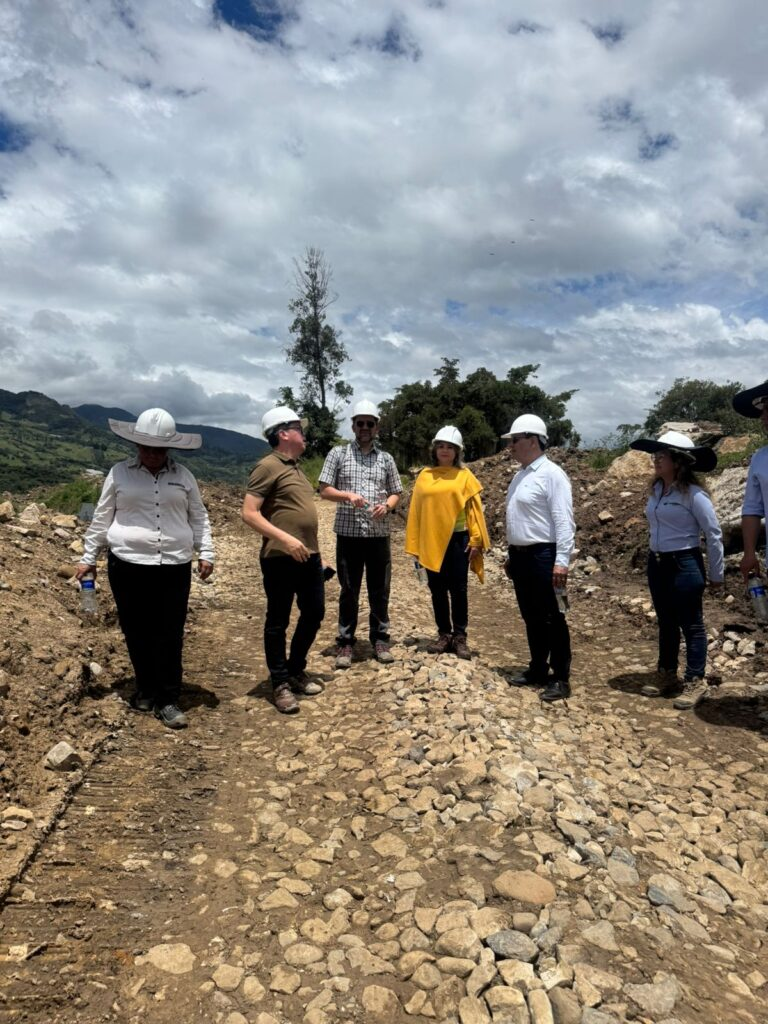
(518, 437)
(365, 424)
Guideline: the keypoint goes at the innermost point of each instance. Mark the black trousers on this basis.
(152, 607)
(549, 640)
(353, 555)
(285, 579)
(449, 587)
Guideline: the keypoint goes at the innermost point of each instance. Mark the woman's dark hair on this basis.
(456, 459)
(684, 474)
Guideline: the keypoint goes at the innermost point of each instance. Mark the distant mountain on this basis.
(230, 441)
(43, 443)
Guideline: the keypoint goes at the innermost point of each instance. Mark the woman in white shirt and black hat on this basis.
(152, 519)
(679, 510)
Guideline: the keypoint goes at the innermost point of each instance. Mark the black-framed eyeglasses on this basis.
(365, 424)
(518, 437)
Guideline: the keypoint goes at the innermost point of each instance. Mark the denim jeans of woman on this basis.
(676, 581)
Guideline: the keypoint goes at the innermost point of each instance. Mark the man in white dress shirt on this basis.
(753, 403)
(540, 532)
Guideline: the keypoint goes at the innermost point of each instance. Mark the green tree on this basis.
(481, 406)
(690, 401)
(317, 351)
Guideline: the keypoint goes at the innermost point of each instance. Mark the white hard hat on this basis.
(528, 424)
(450, 434)
(281, 414)
(365, 408)
(155, 428)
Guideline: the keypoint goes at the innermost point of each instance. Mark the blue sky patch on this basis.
(617, 113)
(13, 137)
(397, 41)
(262, 19)
(653, 146)
(453, 309)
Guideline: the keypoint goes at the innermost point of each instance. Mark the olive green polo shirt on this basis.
(288, 501)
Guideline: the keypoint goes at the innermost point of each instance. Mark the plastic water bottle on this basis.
(759, 598)
(562, 600)
(421, 572)
(89, 604)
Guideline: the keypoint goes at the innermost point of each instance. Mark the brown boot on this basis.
(285, 702)
(460, 648)
(441, 645)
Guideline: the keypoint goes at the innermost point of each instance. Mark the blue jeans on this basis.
(449, 587)
(676, 581)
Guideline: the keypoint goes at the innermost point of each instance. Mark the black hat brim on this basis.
(703, 459)
(743, 402)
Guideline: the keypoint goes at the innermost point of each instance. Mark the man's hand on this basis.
(83, 569)
(559, 577)
(204, 568)
(379, 511)
(296, 549)
(750, 565)
(355, 499)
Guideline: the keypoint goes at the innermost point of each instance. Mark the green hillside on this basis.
(43, 443)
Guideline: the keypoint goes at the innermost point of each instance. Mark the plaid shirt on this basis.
(373, 475)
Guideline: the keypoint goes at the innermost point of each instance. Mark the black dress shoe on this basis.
(558, 689)
(524, 679)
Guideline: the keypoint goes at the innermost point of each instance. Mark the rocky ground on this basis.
(422, 842)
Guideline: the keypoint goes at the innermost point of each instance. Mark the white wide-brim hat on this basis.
(155, 428)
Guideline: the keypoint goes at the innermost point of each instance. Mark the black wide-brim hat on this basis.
(700, 456)
(748, 403)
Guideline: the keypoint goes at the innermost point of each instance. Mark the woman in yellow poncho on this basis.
(446, 532)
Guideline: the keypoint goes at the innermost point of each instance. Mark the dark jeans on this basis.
(549, 640)
(676, 581)
(152, 607)
(353, 555)
(285, 578)
(451, 582)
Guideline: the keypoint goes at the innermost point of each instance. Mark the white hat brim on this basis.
(128, 432)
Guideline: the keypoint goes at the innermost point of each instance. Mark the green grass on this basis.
(739, 458)
(601, 458)
(69, 497)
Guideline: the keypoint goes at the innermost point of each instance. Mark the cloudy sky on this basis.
(575, 183)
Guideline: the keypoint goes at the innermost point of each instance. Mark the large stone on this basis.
(657, 1000)
(380, 1003)
(459, 942)
(284, 980)
(6, 512)
(601, 935)
(664, 890)
(540, 1007)
(302, 953)
(473, 1011)
(565, 1006)
(631, 465)
(227, 977)
(525, 886)
(512, 945)
(62, 758)
(172, 957)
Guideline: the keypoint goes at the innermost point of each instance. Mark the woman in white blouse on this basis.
(679, 511)
(152, 519)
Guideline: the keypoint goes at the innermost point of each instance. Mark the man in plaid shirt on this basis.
(365, 482)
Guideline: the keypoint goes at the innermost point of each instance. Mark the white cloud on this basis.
(585, 180)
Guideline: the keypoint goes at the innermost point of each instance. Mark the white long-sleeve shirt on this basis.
(677, 521)
(149, 520)
(540, 509)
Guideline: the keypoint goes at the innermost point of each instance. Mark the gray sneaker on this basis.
(343, 656)
(172, 716)
(305, 686)
(694, 692)
(383, 653)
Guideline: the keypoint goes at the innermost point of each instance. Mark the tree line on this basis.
(481, 404)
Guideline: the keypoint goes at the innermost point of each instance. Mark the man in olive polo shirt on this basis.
(279, 504)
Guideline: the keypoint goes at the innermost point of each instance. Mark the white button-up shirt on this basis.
(149, 520)
(756, 491)
(677, 521)
(540, 509)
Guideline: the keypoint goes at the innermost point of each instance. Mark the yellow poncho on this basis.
(439, 495)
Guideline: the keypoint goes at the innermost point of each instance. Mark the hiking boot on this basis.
(141, 703)
(526, 679)
(285, 702)
(558, 689)
(443, 643)
(694, 692)
(667, 685)
(383, 653)
(305, 686)
(460, 648)
(343, 656)
(172, 716)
